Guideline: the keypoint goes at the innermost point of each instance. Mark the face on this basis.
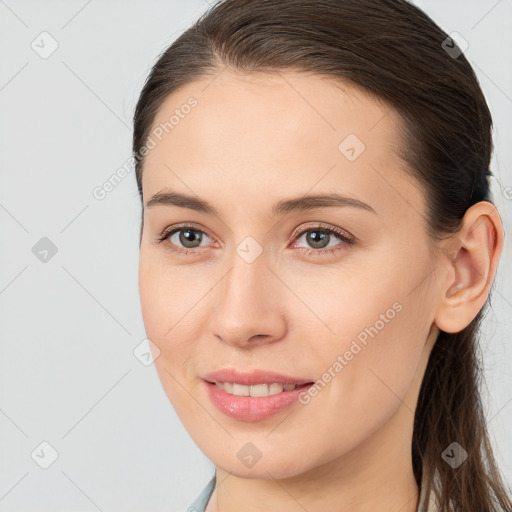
(338, 293)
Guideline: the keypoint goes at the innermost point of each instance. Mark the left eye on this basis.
(318, 238)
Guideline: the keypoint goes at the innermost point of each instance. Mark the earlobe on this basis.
(470, 267)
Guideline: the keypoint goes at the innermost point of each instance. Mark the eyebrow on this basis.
(306, 202)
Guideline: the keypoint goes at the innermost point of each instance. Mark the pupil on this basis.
(316, 241)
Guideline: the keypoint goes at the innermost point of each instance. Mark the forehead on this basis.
(287, 108)
(260, 134)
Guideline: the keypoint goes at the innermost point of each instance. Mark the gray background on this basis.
(69, 325)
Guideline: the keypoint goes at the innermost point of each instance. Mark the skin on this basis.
(251, 141)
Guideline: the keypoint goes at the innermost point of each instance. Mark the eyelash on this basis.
(346, 239)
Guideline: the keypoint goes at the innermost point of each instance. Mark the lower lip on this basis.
(252, 408)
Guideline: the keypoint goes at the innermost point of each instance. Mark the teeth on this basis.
(255, 390)
(241, 390)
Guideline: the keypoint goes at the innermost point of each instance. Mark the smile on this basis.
(256, 390)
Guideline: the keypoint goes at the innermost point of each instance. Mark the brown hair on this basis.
(395, 52)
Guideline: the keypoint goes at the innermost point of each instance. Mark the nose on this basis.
(249, 307)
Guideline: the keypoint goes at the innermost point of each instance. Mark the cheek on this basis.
(152, 300)
(164, 311)
(364, 383)
(169, 296)
(174, 301)
(370, 354)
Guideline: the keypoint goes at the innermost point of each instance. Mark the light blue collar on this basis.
(201, 501)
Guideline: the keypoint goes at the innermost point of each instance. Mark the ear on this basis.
(470, 261)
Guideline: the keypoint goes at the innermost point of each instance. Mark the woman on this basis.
(318, 243)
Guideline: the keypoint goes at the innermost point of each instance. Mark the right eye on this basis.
(186, 238)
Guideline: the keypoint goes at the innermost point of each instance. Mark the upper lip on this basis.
(250, 378)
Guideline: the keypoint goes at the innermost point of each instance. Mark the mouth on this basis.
(255, 402)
